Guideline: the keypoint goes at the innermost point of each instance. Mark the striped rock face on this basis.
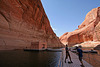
(23, 22)
(89, 30)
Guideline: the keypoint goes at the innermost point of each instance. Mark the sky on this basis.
(67, 15)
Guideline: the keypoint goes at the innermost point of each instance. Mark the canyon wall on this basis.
(88, 31)
(23, 22)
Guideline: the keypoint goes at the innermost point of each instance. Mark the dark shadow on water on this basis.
(20, 58)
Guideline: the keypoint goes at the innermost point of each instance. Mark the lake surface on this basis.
(20, 58)
(92, 58)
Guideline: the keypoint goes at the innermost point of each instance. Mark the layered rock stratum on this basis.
(88, 31)
(23, 22)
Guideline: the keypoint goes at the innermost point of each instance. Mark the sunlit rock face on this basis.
(23, 22)
(89, 30)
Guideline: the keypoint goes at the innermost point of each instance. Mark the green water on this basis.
(20, 58)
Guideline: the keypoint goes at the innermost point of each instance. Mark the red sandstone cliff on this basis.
(89, 30)
(23, 22)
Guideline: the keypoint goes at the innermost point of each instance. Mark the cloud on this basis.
(53, 28)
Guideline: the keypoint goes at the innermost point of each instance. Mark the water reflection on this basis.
(29, 59)
(92, 58)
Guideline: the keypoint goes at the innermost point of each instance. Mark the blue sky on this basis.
(66, 15)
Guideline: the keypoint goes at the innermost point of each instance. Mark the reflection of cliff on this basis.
(23, 22)
(89, 30)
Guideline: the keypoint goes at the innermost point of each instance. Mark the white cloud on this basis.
(53, 28)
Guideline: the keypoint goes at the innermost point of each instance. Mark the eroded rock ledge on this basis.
(88, 31)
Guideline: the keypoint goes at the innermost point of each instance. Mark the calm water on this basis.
(19, 58)
(92, 58)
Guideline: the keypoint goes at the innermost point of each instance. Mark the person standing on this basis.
(80, 54)
(67, 54)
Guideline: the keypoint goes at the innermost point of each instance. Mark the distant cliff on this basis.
(23, 22)
(88, 31)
